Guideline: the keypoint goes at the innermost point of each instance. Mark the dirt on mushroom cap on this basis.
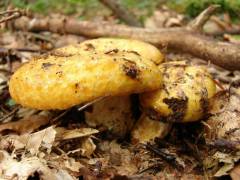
(61, 79)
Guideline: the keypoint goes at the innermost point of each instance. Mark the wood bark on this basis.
(121, 12)
(223, 54)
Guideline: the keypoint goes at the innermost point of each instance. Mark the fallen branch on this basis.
(12, 14)
(121, 12)
(228, 30)
(226, 55)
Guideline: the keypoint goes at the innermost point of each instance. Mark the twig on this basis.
(230, 30)
(53, 121)
(159, 152)
(12, 14)
(198, 23)
(220, 23)
(8, 12)
(224, 27)
(90, 103)
(31, 50)
(152, 167)
(167, 157)
(224, 144)
(9, 114)
(121, 12)
(218, 84)
(40, 37)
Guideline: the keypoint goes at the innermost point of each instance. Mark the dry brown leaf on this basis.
(224, 170)
(64, 134)
(224, 124)
(11, 168)
(64, 175)
(222, 130)
(228, 161)
(83, 146)
(119, 158)
(235, 173)
(26, 112)
(64, 163)
(11, 141)
(26, 125)
(73, 165)
(32, 142)
(88, 147)
(44, 138)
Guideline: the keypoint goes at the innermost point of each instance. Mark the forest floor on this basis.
(38, 144)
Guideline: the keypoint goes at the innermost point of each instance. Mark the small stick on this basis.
(12, 14)
(54, 120)
(198, 23)
(10, 114)
(167, 157)
(90, 103)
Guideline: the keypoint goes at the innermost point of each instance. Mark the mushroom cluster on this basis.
(115, 69)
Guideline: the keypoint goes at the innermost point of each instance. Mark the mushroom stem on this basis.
(112, 113)
(146, 129)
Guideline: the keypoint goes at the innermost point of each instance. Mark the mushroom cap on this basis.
(65, 78)
(111, 45)
(185, 94)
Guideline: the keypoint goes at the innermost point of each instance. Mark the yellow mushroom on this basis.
(184, 96)
(66, 77)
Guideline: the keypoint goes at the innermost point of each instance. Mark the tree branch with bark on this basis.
(121, 12)
(185, 39)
